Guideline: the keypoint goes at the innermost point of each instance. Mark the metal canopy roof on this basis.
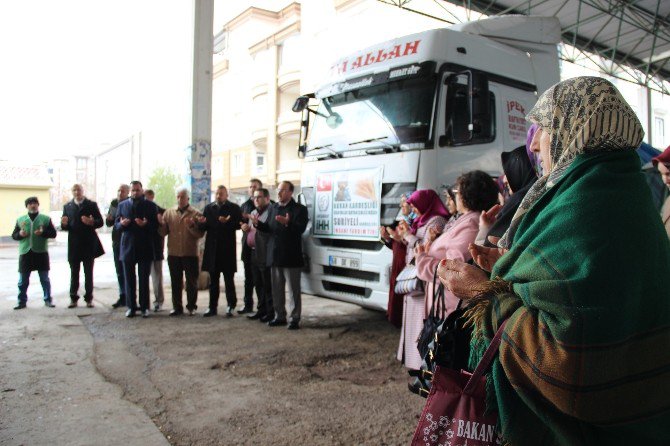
(629, 39)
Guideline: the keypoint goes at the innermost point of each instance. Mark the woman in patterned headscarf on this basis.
(584, 358)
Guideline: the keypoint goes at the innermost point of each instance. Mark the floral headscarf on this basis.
(532, 156)
(582, 115)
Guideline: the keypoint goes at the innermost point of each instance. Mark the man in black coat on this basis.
(247, 207)
(220, 219)
(137, 220)
(122, 194)
(81, 217)
(286, 222)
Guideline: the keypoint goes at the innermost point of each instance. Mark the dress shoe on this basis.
(20, 306)
(145, 314)
(266, 318)
(294, 326)
(209, 313)
(256, 315)
(277, 323)
(48, 303)
(119, 303)
(73, 304)
(176, 312)
(89, 304)
(229, 311)
(130, 313)
(245, 310)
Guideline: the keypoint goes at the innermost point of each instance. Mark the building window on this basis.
(217, 167)
(81, 163)
(260, 163)
(659, 131)
(238, 164)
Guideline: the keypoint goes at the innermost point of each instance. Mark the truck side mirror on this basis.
(300, 104)
(480, 105)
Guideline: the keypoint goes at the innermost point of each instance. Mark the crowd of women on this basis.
(570, 264)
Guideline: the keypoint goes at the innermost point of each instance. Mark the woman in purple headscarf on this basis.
(431, 216)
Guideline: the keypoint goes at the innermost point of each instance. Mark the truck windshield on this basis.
(393, 113)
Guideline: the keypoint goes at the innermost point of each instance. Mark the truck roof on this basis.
(475, 45)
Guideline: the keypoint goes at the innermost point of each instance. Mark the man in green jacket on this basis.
(32, 231)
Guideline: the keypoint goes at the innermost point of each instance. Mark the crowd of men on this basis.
(271, 250)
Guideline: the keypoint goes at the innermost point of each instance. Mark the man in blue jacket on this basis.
(137, 221)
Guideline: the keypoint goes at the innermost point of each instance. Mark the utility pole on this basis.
(201, 127)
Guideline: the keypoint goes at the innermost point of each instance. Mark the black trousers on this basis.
(263, 284)
(120, 278)
(248, 284)
(143, 271)
(88, 279)
(180, 267)
(214, 289)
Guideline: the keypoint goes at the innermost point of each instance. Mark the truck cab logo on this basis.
(376, 56)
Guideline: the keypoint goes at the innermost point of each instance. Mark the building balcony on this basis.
(259, 137)
(288, 80)
(259, 88)
(288, 125)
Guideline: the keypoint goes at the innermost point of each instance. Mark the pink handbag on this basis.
(454, 412)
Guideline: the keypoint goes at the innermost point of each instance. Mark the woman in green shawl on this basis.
(585, 357)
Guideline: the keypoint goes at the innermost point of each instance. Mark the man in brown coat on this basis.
(180, 227)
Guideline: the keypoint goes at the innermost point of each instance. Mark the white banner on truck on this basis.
(347, 204)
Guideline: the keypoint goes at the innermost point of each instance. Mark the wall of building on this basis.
(12, 204)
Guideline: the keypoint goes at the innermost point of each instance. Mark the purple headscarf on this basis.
(532, 156)
(429, 203)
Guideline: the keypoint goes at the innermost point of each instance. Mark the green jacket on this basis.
(36, 243)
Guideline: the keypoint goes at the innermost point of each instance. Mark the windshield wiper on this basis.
(328, 147)
(367, 140)
(384, 148)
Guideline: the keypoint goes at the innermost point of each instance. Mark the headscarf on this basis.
(429, 203)
(532, 156)
(518, 168)
(521, 176)
(663, 158)
(584, 114)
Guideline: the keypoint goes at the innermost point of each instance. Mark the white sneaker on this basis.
(157, 307)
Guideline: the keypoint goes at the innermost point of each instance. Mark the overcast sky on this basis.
(75, 74)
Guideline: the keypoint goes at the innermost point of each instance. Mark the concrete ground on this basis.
(91, 376)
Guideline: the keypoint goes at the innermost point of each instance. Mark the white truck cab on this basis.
(411, 113)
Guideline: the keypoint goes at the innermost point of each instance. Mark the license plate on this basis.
(345, 262)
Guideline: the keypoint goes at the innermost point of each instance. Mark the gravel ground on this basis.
(233, 381)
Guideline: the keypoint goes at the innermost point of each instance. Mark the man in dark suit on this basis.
(247, 207)
(137, 221)
(121, 194)
(286, 222)
(220, 219)
(81, 217)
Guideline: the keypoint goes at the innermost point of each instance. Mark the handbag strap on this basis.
(486, 360)
(436, 299)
